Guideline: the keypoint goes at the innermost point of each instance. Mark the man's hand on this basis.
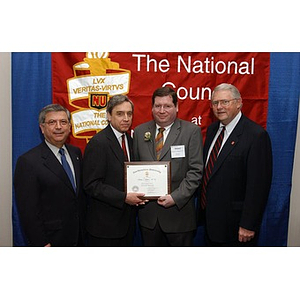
(166, 201)
(133, 199)
(245, 235)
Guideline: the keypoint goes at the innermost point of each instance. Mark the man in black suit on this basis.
(111, 211)
(235, 193)
(51, 209)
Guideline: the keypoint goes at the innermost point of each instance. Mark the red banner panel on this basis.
(84, 83)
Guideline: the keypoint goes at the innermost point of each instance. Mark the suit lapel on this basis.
(172, 136)
(209, 139)
(230, 144)
(76, 164)
(130, 145)
(52, 163)
(114, 144)
(151, 143)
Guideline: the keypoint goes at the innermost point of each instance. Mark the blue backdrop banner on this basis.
(31, 91)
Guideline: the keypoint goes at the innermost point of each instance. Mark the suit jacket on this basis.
(186, 173)
(238, 188)
(50, 210)
(108, 216)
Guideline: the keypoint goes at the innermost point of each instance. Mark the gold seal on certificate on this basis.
(150, 178)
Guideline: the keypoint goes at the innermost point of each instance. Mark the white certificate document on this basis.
(150, 178)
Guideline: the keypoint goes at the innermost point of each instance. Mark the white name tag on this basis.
(177, 151)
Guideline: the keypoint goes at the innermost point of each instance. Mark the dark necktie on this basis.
(210, 165)
(159, 142)
(67, 167)
(124, 147)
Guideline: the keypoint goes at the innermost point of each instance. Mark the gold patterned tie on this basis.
(159, 142)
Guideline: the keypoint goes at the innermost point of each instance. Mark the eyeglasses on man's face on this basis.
(52, 123)
(223, 103)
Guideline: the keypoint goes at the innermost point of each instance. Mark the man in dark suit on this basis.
(111, 212)
(51, 209)
(237, 186)
(171, 220)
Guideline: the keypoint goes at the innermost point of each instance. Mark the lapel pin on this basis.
(232, 143)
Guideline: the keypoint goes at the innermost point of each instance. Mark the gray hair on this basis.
(116, 100)
(227, 87)
(50, 108)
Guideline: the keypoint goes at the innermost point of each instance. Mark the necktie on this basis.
(210, 164)
(67, 167)
(159, 142)
(124, 147)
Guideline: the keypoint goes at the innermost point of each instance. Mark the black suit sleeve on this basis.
(259, 177)
(28, 202)
(101, 179)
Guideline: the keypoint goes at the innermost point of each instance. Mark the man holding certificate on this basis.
(170, 220)
(111, 211)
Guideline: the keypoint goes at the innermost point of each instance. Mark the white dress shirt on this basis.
(228, 130)
(55, 151)
(119, 138)
(165, 132)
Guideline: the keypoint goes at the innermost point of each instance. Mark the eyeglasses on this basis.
(223, 103)
(52, 123)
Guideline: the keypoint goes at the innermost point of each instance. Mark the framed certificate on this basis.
(151, 178)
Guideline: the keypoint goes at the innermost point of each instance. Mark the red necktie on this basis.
(210, 165)
(159, 142)
(124, 147)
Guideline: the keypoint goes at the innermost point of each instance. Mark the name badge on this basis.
(177, 151)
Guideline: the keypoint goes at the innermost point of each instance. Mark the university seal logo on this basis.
(96, 79)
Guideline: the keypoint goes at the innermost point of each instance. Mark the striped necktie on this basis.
(210, 165)
(159, 142)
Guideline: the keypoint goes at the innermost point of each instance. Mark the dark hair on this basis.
(52, 107)
(116, 100)
(165, 91)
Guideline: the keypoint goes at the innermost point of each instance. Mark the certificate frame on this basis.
(153, 178)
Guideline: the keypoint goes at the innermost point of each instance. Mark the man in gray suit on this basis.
(170, 220)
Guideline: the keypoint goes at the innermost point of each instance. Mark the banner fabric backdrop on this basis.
(84, 82)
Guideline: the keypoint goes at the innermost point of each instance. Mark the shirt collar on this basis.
(166, 128)
(53, 148)
(117, 133)
(229, 127)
